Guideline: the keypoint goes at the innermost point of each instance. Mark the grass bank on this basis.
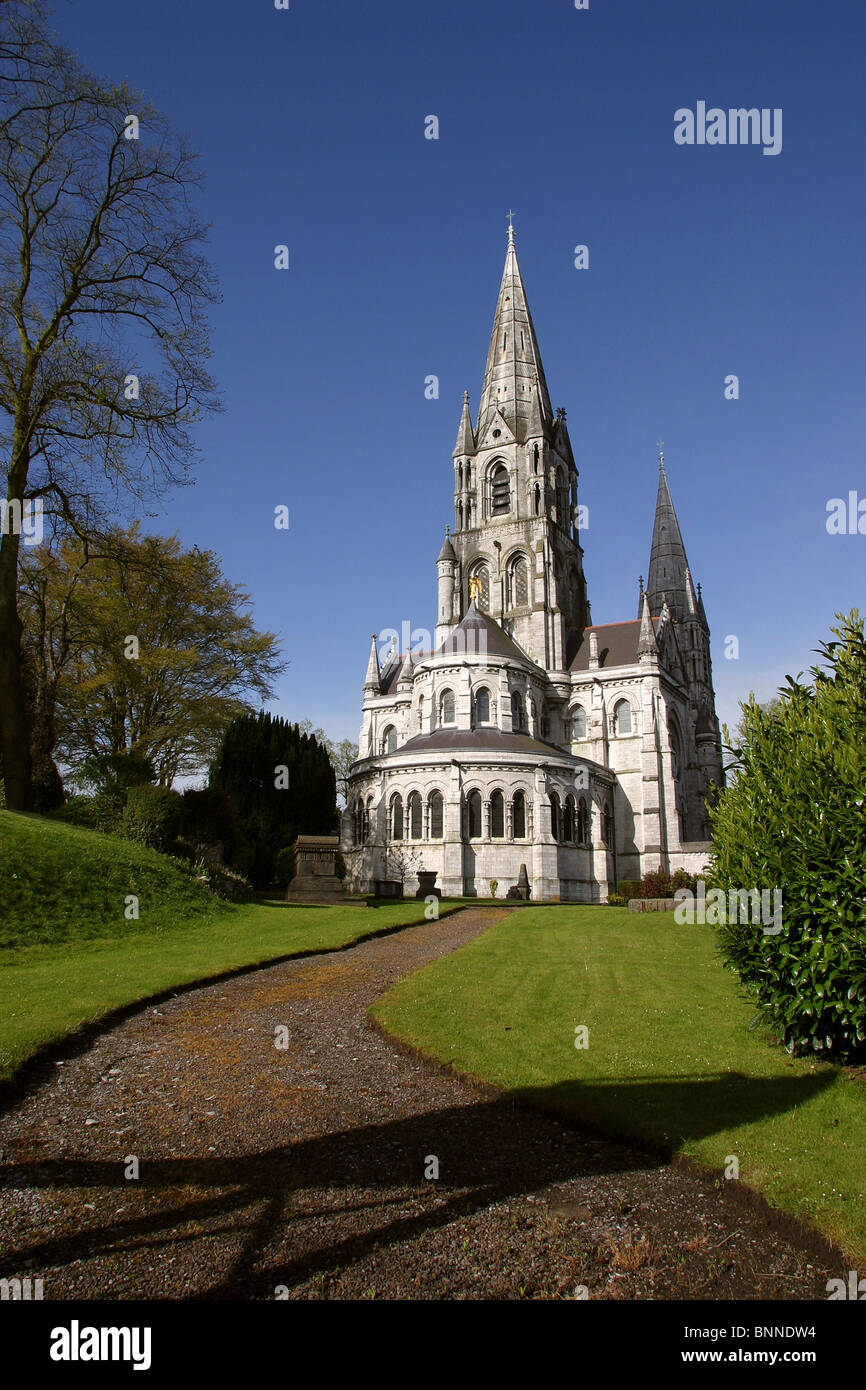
(670, 1054)
(70, 956)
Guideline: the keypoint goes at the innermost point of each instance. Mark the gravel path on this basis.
(299, 1172)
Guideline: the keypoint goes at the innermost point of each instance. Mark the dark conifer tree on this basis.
(280, 783)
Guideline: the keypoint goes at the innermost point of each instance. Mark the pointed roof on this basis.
(465, 438)
(372, 678)
(513, 360)
(668, 566)
(479, 635)
(407, 671)
(447, 552)
(647, 645)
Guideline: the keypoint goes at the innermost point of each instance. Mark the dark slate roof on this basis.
(478, 634)
(391, 674)
(447, 551)
(492, 739)
(617, 645)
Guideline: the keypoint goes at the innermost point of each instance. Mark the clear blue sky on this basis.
(704, 261)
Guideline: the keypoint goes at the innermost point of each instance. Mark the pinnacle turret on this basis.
(465, 438)
(372, 679)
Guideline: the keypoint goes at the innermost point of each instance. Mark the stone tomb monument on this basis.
(315, 880)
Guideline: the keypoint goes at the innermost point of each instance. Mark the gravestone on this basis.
(315, 880)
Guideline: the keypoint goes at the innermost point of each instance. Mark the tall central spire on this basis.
(514, 377)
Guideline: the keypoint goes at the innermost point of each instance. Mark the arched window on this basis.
(446, 707)
(582, 822)
(460, 477)
(415, 816)
(622, 721)
(517, 583)
(389, 740)
(561, 499)
(607, 827)
(555, 827)
(578, 722)
(396, 817)
(535, 458)
(459, 516)
(497, 815)
(473, 815)
(482, 706)
(518, 816)
(421, 712)
(568, 821)
(469, 475)
(368, 817)
(500, 491)
(436, 808)
(356, 825)
(537, 499)
(676, 748)
(468, 513)
(482, 573)
(518, 711)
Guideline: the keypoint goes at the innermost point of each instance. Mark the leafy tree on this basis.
(794, 818)
(103, 330)
(146, 651)
(280, 782)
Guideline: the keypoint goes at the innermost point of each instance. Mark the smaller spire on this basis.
(465, 436)
(447, 551)
(407, 671)
(647, 646)
(372, 680)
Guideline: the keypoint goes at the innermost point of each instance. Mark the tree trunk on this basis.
(14, 705)
(14, 711)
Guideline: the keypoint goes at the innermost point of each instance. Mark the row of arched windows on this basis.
(411, 824)
(570, 821)
(499, 493)
(483, 712)
(416, 819)
(622, 722)
(516, 582)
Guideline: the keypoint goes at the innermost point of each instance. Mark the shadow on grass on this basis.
(268, 1203)
(672, 1110)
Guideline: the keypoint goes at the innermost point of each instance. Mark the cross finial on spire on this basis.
(510, 227)
(661, 445)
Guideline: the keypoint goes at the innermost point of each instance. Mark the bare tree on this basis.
(103, 316)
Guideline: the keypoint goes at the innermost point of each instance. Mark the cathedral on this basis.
(532, 745)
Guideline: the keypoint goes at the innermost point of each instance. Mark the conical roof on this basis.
(513, 360)
(447, 551)
(477, 634)
(668, 566)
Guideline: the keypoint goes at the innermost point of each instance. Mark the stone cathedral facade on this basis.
(530, 736)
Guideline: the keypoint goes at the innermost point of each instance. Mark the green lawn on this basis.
(670, 1055)
(64, 890)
